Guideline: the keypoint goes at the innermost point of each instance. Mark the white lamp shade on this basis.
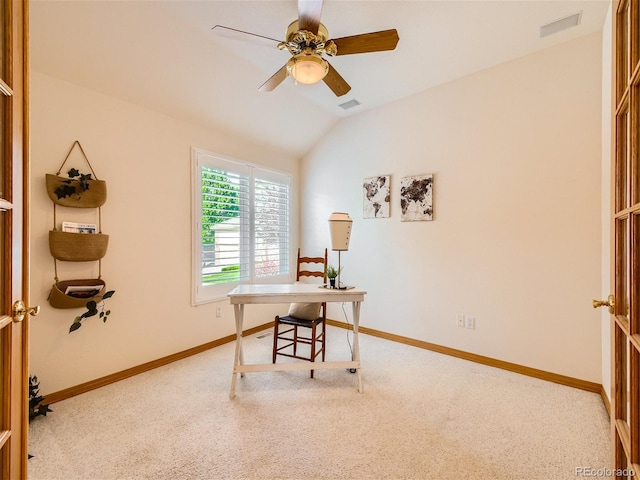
(340, 228)
(307, 69)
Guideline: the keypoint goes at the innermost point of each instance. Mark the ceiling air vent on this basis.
(349, 104)
(562, 24)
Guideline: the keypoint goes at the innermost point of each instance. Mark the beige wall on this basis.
(145, 159)
(516, 240)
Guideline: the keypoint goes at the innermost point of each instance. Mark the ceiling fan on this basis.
(307, 41)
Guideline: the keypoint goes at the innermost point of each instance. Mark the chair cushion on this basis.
(298, 322)
(305, 311)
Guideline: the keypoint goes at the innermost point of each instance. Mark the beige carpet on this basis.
(422, 416)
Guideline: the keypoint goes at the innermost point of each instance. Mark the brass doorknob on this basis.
(20, 310)
(610, 302)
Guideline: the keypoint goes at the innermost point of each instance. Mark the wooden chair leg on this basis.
(324, 337)
(313, 344)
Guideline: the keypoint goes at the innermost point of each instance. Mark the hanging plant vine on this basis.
(93, 308)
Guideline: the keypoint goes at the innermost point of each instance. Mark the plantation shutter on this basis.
(271, 223)
(241, 218)
(225, 224)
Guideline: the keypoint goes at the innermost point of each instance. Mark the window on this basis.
(241, 225)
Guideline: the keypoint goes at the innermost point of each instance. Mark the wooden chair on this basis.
(307, 316)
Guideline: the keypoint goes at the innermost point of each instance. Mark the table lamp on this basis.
(340, 228)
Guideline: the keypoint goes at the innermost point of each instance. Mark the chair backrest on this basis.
(314, 267)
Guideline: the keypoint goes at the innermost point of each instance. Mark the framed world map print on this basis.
(376, 196)
(416, 198)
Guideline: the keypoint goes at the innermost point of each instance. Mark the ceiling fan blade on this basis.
(275, 80)
(309, 15)
(236, 34)
(367, 42)
(336, 83)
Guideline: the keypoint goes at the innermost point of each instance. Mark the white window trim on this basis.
(212, 293)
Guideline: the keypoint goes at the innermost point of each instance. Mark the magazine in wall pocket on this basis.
(76, 293)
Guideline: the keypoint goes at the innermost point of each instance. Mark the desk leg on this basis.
(356, 343)
(238, 358)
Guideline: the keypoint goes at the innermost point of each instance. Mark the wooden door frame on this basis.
(613, 207)
(22, 44)
(625, 268)
(21, 186)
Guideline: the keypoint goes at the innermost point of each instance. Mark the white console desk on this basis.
(290, 293)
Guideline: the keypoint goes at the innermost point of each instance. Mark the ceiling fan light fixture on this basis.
(307, 68)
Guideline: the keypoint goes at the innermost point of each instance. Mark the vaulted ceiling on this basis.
(163, 55)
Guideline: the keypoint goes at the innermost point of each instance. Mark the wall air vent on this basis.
(561, 24)
(349, 104)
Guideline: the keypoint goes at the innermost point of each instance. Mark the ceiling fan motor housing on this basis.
(298, 41)
(294, 28)
(306, 64)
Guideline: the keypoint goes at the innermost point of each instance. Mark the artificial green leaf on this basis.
(63, 191)
(108, 294)
(101, 314)
(89, 313)
(91, 305)
(84, 181)
(73, 173)
(44, 409)
(74, 326)
(108, 312)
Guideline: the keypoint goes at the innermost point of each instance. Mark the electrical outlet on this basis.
(218, 311)
(460, 320)
(470, 322)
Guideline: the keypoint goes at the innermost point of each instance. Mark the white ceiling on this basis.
(163, 55)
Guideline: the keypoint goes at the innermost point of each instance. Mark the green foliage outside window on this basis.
(220, 201)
